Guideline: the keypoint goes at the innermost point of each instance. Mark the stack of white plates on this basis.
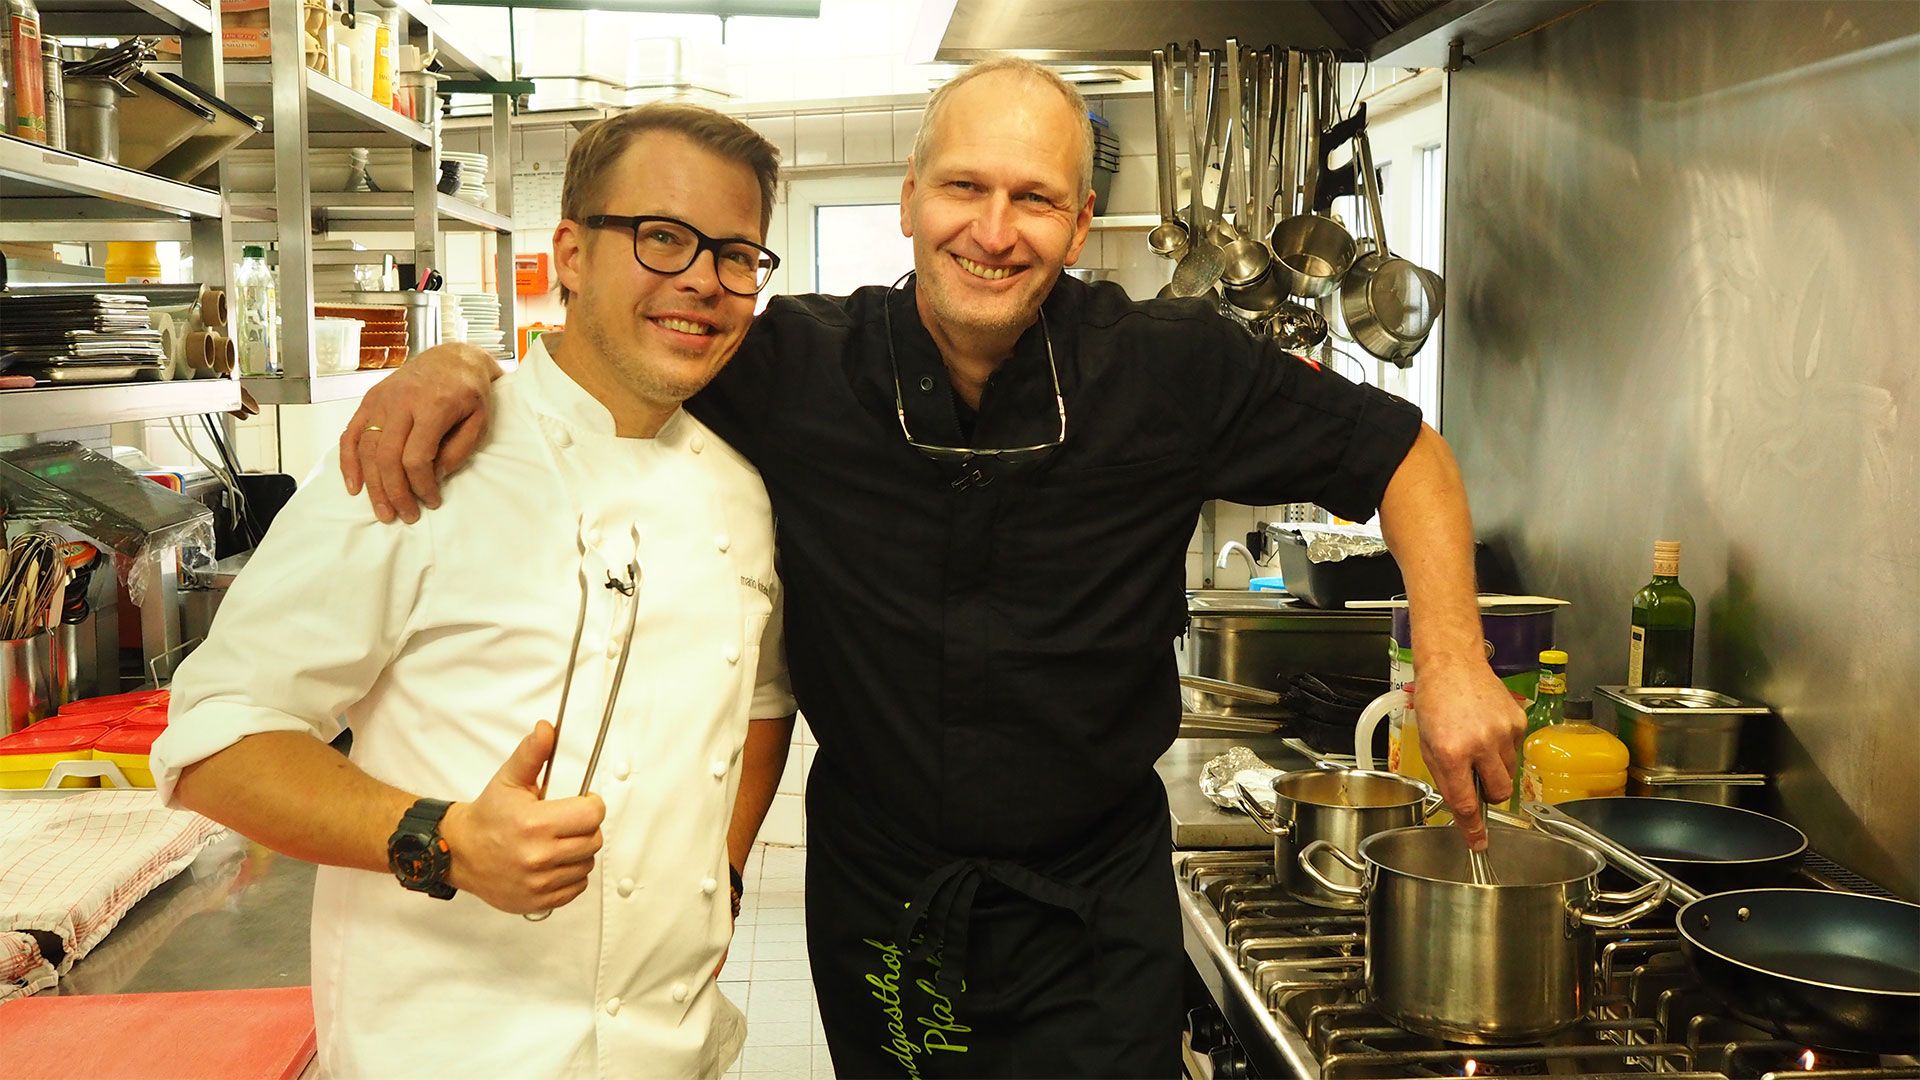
(453, 321)
(482, 314)
(473, 175)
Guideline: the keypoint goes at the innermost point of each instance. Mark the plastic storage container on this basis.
(336, 345)
(27, 758)
(129, 747)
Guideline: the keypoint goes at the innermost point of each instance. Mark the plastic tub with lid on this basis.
(130, 746)
(28, 757)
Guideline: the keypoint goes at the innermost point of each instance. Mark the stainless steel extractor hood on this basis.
(1394, 33)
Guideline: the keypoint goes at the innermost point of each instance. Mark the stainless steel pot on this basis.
(1259, 639)
(1512, 962)
(1341, 807)
(93, 117)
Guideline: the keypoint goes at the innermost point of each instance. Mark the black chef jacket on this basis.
(985, 659)
(984, 650)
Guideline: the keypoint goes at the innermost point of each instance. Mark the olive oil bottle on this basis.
(1661, 650)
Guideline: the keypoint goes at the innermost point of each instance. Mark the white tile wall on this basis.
(819, 140)
(777, 130)
(869, 138)
(906, 124)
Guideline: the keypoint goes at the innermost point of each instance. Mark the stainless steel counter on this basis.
(236, 919)
(1197, 822)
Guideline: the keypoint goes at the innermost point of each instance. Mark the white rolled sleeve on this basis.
(304, 632)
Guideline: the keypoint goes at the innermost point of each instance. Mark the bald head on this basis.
(1010, 76)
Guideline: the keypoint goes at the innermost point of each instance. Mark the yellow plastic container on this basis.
(136, 261)
(128, 746)
(1573, 760)
(28, 757)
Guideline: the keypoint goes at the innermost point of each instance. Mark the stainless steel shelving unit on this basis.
(52, 195)
(306, 109)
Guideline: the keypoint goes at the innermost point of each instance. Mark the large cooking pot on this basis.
(1262, 638)
(1512, 962)
(1341, 807)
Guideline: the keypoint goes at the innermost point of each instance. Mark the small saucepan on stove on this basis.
(1505, 963)
(1835, 970)
(1341, 807)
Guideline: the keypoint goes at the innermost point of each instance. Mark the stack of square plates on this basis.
(79, 337)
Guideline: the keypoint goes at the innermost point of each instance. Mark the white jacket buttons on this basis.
(593, 536)
(719, 768)
(613, 1006)
(562, 438)
(723, 541)
(625, 886)
(709, 886)
(679, 991)
(732, 653)
(613, 648)
(622, 770)
(697, 443)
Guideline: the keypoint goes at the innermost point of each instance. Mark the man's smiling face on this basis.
(996, 210)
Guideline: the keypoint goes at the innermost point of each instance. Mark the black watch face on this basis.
(415, 860)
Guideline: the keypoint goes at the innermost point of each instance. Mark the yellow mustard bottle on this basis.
(1573, 759)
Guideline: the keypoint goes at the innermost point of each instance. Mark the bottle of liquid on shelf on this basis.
(257, 313)
(1548, 700)
(135, 262)
(1660, 652)
(1573, 759)
(22, 70)
(382, 62)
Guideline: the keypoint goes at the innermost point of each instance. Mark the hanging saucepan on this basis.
(1314, 251)
(1387, 302)
(1295, 327)
(1169, 238)
(1836, 970)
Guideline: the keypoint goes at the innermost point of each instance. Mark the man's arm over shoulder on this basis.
(419, 424)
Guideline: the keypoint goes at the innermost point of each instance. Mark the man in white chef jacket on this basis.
(444, 648)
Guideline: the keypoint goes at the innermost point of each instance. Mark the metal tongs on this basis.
(629, 588)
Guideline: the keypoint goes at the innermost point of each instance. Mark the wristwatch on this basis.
(417, 854)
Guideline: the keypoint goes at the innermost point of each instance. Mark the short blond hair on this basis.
(1031, 72)
(583, 192)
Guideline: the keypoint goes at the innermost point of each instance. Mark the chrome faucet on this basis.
(1231, 548)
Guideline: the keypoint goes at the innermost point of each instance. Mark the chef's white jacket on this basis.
(441, 644)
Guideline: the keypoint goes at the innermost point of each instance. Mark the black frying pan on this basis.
(1835, 970)
(1711, 847)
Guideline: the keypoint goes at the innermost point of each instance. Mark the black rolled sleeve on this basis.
(1284, 429)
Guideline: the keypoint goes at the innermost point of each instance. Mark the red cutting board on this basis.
(216, 1034)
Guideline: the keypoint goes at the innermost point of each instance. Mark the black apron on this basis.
(929, 964)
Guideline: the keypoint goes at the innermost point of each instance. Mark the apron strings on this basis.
(944, 902)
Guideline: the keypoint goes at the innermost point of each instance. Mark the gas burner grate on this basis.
(1304, 967)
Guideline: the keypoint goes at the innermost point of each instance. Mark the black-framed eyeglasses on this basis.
(667, 245)
(965, 453)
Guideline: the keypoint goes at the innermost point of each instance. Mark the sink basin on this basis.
(1238, 600)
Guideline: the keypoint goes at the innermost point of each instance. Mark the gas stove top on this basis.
(1290, 981)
